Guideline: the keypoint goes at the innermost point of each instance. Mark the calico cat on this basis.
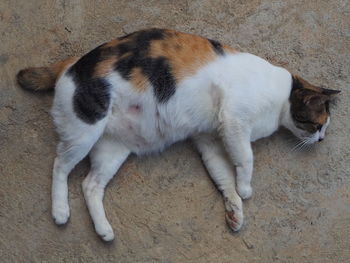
(147, 90)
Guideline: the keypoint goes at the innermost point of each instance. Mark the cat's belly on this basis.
(144, 124)
(151, 130)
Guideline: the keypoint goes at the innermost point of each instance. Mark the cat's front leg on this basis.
(237, 142)
(244, 172)
(220, 169)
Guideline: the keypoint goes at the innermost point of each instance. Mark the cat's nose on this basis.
(320, 139)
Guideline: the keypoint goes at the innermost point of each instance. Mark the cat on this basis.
(142, 92)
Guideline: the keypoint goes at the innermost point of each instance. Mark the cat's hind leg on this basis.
(220, 170)
(70, 150)
(80, 116)
(106, 158)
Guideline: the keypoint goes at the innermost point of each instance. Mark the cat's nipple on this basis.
(134, 109)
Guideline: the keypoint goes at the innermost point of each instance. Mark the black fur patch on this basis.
(159, 74)
(158, 70)
(217, 47)
(91, 98)
(91, 101)
(296, 84)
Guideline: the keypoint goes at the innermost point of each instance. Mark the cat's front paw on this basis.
(60, 213)
(234, 217)
(245, 191)
(105, 231)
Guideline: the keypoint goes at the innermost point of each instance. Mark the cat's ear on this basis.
(329, 92)
(315, 99)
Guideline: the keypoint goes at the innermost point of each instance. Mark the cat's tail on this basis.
(43, 78)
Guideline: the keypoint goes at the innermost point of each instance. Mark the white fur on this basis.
(238, 98)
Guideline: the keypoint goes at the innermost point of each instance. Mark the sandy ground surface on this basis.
(165, 208)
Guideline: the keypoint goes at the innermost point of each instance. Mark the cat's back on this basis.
(160, 57)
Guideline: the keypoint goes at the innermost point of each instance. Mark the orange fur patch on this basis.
(308, 85)
(43, 78)
(105, 67)
(138, 80)
(111, 43)
(229, 49)
(186, 53)
(58, 67)
(322, 118)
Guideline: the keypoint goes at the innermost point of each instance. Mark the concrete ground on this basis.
(165, 208)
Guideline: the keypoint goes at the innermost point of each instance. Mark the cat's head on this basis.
(309, 110)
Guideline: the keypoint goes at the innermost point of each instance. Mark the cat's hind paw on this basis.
(105, 232)
(245, 191)
(234, 214)
(234, 220)
(60, 214)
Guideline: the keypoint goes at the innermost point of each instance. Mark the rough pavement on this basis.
(165, 208)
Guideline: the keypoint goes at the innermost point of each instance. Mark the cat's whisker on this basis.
(298, 145)
(309, 147)
(308, 144)
(302, 145)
